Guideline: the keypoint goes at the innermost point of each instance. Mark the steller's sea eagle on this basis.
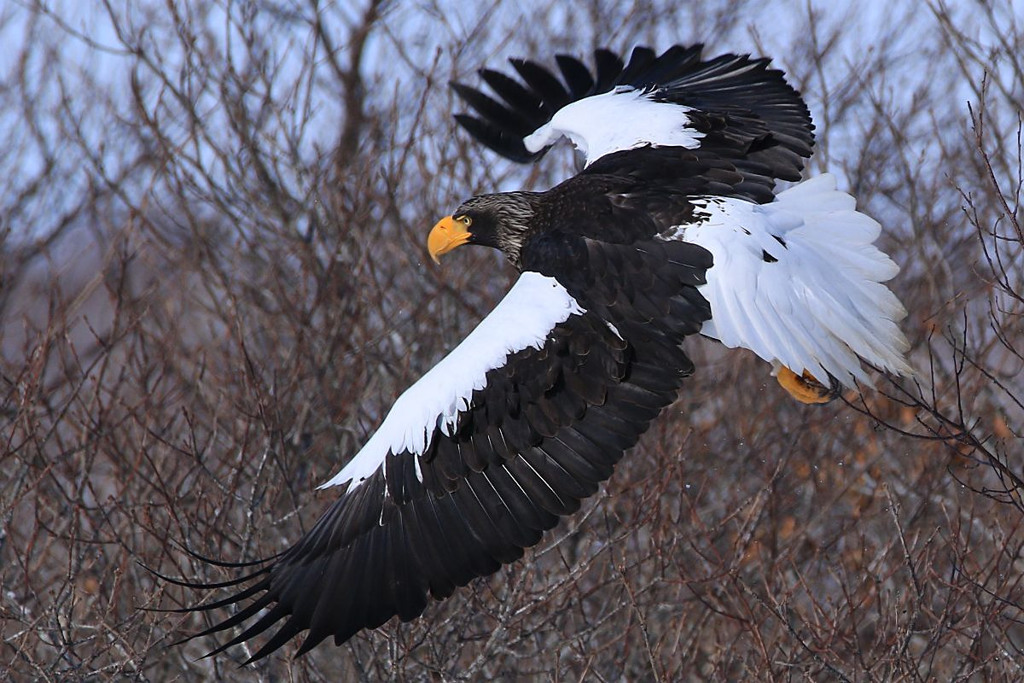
(672, 228)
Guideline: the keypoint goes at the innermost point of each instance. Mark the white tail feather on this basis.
(799, 282)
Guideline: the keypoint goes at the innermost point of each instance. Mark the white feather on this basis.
(624, 118)
(524, 318)
(822, 303)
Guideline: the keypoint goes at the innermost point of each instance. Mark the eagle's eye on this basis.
(465, 220)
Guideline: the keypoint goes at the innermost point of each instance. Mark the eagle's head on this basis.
(502, 221)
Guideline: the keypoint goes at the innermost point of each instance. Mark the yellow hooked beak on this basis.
(450, 232)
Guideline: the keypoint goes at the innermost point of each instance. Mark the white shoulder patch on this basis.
(524, 318)
(625, 118)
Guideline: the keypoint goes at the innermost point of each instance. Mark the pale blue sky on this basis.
(425, 29)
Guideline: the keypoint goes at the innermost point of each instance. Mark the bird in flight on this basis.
(673, 227)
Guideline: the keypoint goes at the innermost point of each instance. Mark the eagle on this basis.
(675, 226)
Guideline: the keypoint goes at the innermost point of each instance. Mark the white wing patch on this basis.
(624, 118)
(799, 281)
(530, 310)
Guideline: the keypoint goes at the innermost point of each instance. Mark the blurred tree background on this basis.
(213, 284)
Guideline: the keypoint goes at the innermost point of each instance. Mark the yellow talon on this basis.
(806, 388)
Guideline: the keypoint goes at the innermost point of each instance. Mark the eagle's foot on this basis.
(806, 388)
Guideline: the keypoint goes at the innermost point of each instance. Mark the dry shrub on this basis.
(213, 285)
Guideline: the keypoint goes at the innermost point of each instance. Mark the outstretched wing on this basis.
(506, 435)
(731, 109)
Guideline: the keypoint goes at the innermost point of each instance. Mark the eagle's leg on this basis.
(806, 388)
